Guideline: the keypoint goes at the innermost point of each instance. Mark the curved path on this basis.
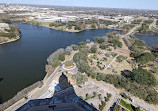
(43, 90)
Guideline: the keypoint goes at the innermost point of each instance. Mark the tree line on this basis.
(139, 82)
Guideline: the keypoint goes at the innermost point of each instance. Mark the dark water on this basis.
(149, 39)
(23, 62)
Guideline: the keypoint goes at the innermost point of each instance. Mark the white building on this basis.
(128, 19)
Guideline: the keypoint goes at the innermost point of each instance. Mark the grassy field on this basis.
(126, 105)
(116, 66)
(45, 23)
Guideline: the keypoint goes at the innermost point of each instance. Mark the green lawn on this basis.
(126, 105)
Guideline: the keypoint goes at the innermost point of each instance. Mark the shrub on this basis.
(68, 63)
(55, 63)
(103, 46)
(121, 58)
(88, 96)
(62, 57)
(82, 43)
(55, 55)
(68, 50)
(80, 78)
(99, 40)
(93, 49)
(102, 106)
(75, 47)
(116, 43)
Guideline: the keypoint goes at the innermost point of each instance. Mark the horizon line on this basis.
(81, 6)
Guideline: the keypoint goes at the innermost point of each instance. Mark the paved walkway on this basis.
(41, 91)
(111, 62)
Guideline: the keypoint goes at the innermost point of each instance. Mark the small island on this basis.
(9, 33)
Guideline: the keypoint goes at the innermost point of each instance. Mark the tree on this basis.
(55, 63)
(135, 54)
(88, 96)
(103, 46)
(80, 78)
(145, 58)
(55, 55)
(99, 40)
(62, 57)
(152, 97)
(121, 58)
(82, 43)
(93, 26)
(93, 49)
(68, 63)
(142, 76)
(75, 47)
(116, 43)
(77, 27)
(6, 20)
(49, 69)
(68, 50)
(100, 77)
(141, 90)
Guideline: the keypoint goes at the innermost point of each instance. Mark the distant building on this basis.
(128, 19)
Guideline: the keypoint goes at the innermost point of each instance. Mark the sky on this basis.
(131, 4)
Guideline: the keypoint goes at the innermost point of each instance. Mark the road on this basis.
(153, 25)
(134, 29)
(41, 91)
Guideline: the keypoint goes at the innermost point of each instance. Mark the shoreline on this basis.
(45, 78)
(77, 31)
(74, 31)
(12, 40)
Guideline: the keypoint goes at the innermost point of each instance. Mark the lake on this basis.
(150, 39)
(22, 63)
